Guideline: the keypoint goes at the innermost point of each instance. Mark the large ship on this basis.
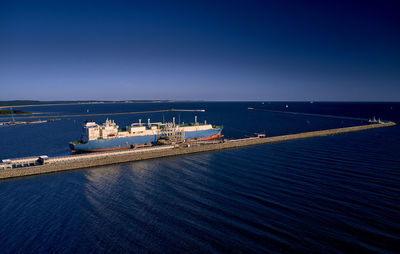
(108, 136)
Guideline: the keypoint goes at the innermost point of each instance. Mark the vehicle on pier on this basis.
(108, 136)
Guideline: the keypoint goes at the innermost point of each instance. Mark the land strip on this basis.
(11, 112)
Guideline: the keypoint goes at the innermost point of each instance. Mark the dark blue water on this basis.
(337, 193)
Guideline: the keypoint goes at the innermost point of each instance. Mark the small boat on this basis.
(374, 120)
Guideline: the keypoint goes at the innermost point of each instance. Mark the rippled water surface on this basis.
(337, 193)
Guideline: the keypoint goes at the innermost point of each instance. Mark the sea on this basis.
(332, 194)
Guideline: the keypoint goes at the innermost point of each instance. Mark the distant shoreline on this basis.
(8, 104)
(32, 103)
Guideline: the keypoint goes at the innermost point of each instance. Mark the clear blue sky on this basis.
(206, 50)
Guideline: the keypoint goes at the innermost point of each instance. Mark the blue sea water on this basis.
(331, 194)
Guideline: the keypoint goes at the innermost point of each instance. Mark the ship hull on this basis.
(111, 144)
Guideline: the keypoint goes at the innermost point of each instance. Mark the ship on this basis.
(108, 136)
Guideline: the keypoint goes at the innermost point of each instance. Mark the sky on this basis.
(200, 50)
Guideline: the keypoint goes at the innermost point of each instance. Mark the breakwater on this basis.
(307, 114)
(86, 161)
(107, 114)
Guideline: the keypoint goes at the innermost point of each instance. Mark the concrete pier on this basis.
(92, 160)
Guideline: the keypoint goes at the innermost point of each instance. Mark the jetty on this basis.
(107, 114)
(28, 122)
(10, 168)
